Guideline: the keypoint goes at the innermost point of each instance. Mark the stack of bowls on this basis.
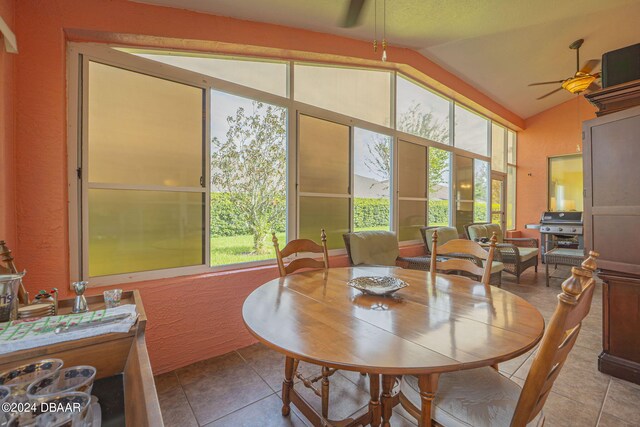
(59, 397)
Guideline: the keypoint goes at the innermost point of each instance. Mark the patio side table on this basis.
(572, 257)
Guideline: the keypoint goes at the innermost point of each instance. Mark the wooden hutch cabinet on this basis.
(612, 221)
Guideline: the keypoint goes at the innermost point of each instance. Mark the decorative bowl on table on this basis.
(377, 285)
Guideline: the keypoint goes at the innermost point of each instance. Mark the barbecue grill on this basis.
(561, 229)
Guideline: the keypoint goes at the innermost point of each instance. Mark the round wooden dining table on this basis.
(438, 324)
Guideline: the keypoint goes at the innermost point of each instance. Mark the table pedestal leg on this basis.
(387, 403)
(428, 385)
(287, 385)
(374, 403)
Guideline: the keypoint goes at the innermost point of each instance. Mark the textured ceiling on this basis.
(499, 46)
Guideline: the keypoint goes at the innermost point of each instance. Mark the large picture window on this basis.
(421, 112)
(248, 178)
(372, 181)
(471, 131)
(189, 161)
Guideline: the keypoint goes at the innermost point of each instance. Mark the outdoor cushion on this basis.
(471, 398)
(374, 248)
(494, 228)
(444, 235)
(527, 253)
(496, 266)
(477, 232)
(485, 231)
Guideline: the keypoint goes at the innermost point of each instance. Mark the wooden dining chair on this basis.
(295, 247)
(459, 247)
(483, 397)
(301, 246)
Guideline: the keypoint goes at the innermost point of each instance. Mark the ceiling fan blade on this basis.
(550, 93)
(589, 66)
(352, 17)
(545, 83)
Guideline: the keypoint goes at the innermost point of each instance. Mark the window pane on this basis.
(421, 112)
(412, 215)
(365, 94)
(565, 183)
(248, 178)
(267, 76)
(511, 198)
(143, 130)
(480, 190)
(511, 147)
(464, 192)
(471, 131)
(131, 230)
(412, 170)
(497, 148)
(330, 213)
(372, 172)
(439, 178)
(323, 156)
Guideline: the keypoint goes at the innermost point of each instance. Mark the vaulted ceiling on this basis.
(498, 46)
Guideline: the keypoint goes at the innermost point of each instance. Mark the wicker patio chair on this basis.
(412, 263)
(517, 254)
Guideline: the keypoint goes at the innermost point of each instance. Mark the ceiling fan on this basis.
(582, 80)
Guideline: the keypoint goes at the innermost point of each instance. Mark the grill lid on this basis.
(561, 218)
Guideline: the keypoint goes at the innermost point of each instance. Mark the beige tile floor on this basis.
(242, 388)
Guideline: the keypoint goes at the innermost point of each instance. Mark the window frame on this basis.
(78, 53)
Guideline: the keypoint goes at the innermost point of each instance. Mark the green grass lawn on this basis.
(234, 249)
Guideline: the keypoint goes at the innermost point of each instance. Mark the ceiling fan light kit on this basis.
(578, 84)
(582, 80)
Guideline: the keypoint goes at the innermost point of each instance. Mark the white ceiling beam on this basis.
(10, 42)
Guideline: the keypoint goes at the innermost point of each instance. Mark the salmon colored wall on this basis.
(553, 132)
(190, 318)
(7, 100)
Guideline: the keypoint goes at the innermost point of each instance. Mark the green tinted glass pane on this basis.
(464, 215)
(131, 231)
(330, 213)
(372, 189)
(361, 93)
(422, 112)
(143, 130)
(412, 170)
(323, 156)
(412, 215)
(464, 178)
(497, 148)
(439, 179)
(511, 197)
